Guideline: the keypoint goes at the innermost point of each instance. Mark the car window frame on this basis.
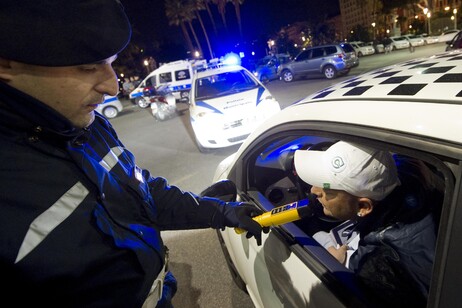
(375, 136)
(315, 51)
(306, 55)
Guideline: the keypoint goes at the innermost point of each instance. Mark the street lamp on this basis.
(373, 29)
(428, 21)
(146, 63)
(455, 18)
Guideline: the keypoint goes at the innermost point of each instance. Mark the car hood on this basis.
(233, 103)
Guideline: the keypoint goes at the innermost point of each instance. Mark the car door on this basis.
(315, 62)
(301, 64)
(455, 43)
(290, 269)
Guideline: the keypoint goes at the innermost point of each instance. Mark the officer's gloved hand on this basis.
(239, 214)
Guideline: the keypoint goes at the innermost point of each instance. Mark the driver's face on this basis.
(337, 203)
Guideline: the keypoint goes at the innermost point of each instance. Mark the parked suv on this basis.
(329, 60)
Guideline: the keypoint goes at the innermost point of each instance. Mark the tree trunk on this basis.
(195, 38)
(211, 17)
(205, 34)
(187, 37)
(237, 8)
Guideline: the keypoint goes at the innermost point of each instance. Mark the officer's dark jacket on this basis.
(79, 220)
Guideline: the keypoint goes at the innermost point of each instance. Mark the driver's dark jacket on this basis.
(80, 222)
(395, 255)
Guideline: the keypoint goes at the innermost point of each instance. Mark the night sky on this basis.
(260, 19)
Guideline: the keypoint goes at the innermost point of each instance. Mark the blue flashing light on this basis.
(231, 59)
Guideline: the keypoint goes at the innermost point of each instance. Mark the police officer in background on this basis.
(80, 221)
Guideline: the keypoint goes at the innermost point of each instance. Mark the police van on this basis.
(176, 75)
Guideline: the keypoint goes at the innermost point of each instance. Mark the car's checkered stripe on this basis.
(420, 78)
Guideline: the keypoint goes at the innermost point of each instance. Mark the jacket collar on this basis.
(36, 113)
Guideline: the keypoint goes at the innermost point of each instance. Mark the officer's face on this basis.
(73, 91)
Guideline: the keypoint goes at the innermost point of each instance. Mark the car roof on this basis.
(219, 70)
(416, 79)
(450, 31)
(421, 96)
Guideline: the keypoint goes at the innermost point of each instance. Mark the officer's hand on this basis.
(239, 214)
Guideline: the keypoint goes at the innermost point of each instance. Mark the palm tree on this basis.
(188, 15)
(200, 5)
(174, 10)
(237, 7)
(207, 7)
(221, 4)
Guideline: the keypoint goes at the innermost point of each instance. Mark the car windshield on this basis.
(224, 84)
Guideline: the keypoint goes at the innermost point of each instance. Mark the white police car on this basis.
(413, 110)
(110, 107)
(226, 104)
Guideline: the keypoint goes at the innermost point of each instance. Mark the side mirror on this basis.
(224, 190)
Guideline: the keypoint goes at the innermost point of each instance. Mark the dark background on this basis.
(154, 37)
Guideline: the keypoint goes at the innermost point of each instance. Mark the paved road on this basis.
(167, 149)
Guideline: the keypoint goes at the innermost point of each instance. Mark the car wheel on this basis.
(142, 102)
(330, 72)
(264, 79)
(287, 76)
(232, 268)
(360, 54)
(110, 112)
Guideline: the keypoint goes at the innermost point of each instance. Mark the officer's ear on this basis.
(6, 72)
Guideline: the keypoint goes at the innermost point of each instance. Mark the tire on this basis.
(264, 79)
(143, 102)
(287, 76)
(360, 54)
(110, 112)
(329, 72)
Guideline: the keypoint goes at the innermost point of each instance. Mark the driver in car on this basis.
(391, 231)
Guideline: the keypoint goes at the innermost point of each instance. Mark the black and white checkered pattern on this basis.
(435, 78)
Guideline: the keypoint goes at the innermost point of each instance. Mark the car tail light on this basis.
(340, 55)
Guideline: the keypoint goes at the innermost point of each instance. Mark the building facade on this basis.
(427, 16)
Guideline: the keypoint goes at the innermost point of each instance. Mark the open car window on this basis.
(271, 182)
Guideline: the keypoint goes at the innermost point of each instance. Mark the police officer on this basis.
(80, 221)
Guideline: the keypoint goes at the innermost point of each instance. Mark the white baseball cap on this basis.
(356, 169)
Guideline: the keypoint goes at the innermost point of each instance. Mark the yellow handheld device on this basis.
(282, 214)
